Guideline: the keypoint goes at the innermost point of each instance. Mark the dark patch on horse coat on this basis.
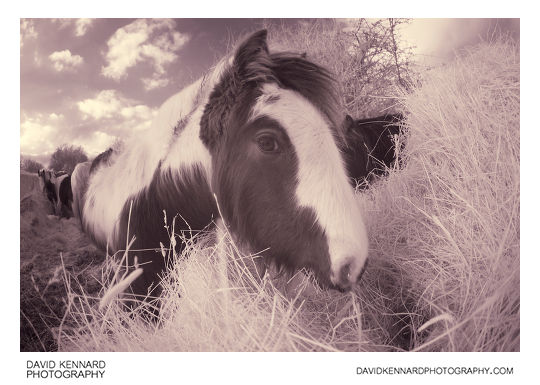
(48, 187)
(187, 194)
(65, 197)
(288, 234)
(369, 147)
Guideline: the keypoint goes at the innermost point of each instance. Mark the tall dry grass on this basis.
(444, 247)
(449, 221)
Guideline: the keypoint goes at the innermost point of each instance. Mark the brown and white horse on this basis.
(260, 132)
(57, 188)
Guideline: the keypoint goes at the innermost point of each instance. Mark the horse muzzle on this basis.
(348, 275)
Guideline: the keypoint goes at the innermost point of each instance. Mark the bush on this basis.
(66, 158)
(366, 57)
(30, 165)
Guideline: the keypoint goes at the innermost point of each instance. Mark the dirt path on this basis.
(44, 239)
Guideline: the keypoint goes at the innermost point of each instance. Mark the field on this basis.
(444, 270)
(50, 250)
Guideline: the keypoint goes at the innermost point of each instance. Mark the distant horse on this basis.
(64, 196)
(48, 178)
(369, 145)
(58, 192)
(259, 132)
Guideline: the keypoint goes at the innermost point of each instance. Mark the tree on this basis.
(381, 62)
(30, 165)
(370, 61)
(66, 157)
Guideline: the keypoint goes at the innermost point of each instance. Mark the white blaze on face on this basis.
(322, 181)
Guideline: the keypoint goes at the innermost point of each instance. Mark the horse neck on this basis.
(147, 159)
(180, 116)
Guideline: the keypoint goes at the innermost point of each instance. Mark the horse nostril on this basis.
(345, 275)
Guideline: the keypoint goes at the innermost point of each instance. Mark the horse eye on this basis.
(267, 143)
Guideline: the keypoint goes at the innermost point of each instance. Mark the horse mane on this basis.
(295, 72)
(101, 158)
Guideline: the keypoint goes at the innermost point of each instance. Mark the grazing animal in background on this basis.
(48, 179)
(64, 196)
(253, 144)
(369, 145)
(58, 191)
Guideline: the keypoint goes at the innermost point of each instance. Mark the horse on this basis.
(58, 192)
(64, 196)
(251, 146)
(79, 183)
(369, 145)
(48, 179)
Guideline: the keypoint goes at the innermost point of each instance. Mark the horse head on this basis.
(271, 127)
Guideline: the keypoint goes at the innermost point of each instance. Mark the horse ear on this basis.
(252, 57)
(251, 63)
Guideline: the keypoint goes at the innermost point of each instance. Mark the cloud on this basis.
(28, 30)
(154, 82)
(64, 60)
(143, 41)
(79, 26)
(93, 123)
(82, 26)
(105, 105)
(37, 59)
(122, 114)
(96, 143)
(36, 134)
(63, 23)
(140, 112)
(55, 117)
(440, 39)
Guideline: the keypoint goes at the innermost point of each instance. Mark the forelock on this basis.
(315, 83)
(251, 69)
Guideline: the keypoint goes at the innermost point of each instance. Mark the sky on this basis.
(87, 82)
